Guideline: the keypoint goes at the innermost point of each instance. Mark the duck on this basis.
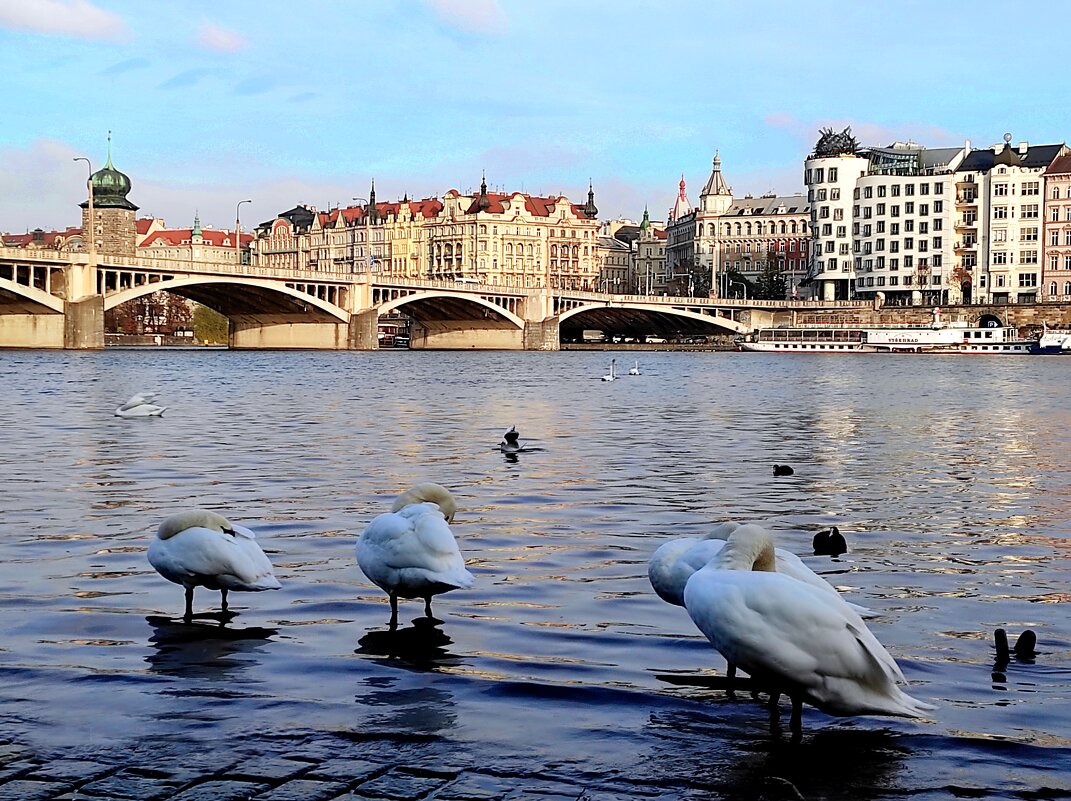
(410, 551)
(510, 441)
(792, 637)
(140, 405)
(783, 470)
(635, 369)
(611, 376)
(200, 548)
(829, 542)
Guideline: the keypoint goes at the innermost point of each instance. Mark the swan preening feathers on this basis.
(140, 405)
(511, 441)
(791, 635)
(199, 548)
(410, 551)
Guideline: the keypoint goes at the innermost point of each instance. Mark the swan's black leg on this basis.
(189, 605)
(427, 606)
(393, 610)
(224, 594)
(796, 724)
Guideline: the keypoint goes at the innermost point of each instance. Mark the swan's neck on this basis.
(750, 554)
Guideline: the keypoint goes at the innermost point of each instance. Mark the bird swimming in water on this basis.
(140, 405)
(829, 542)
(410, 551)
(511, 441)
(635, 369)
(791, 637)
(198, 548)
(782, 470)
(612, 375)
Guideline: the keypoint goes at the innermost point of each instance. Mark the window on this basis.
(1028, 279)
(937, 242)
(827, 229)
(867, 229)
(1067, 213)
(938, 188)
(1028, 257)
(1000, 234)
(1054, 262)
(1028, 211)
(1054, 214)
(894, 264)
(832, 174)
(1028, 234)
(819, 175)
(924, 227)
(1056, 193)
(938, 224)
(909, 262)
(909, 208)
(879, 226)
(909, 225)
(1052, 288)
(894, 246)
(1000, 190)
(981, 281)
(831, 264)
(924, 188)
(842, 231)
(924, 209)
(1031, 188)
(821, 195)
(909, 190)
(894, 210)
(894, 229)
(823, 213)
(1067, 287)
(881, 190)
(868, 192)
(1000, 257)
(1000, 281)
(807, 175)
(834, 194)
(938, 206)
(838, 214)
(1000, 212)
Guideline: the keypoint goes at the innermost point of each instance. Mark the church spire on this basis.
(484, 202)
(372, 202)
(196, 232)
(590, 210)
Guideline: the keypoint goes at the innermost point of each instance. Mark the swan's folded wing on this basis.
(195, 552)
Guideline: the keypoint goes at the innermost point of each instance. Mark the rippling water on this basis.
(949, 475)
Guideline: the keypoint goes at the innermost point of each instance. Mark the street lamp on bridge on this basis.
(92, 222)
(238, 231)
(742, 286)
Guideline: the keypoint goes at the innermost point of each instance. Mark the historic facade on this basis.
(650, 269)
(112, 226)
(1056, 236)
(505, 239)
(156, 241)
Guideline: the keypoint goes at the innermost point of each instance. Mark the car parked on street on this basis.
(656, 340)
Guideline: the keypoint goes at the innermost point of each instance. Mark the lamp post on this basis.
(92, 222)
(238, 232)
(367, 235)
(742, 286)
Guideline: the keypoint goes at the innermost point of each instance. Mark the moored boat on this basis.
(937, 338)
(1053, 341)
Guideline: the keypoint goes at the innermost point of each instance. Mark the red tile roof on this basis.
(1062, 164)
(49, 239)
(179, 236)
(144, 224)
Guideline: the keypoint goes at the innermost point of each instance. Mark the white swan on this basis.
(612, 375)
(792, 637)
(202, 548)
(674, 562)
(635, 370)
(410, 551)
(140, 405)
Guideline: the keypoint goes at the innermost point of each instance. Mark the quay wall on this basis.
(1021, 315)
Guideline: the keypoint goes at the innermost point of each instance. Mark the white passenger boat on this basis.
(1052, 341)
(936, 338)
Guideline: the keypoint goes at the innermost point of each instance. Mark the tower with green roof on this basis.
(114, 227)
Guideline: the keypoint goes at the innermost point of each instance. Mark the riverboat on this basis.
(1052, 341)
(937, 338)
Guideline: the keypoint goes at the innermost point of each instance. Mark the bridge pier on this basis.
(542, 334)
(284, 332)
(83, 323)
(364, 330)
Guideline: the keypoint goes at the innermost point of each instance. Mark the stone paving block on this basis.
(475, 787)
(16, 768)
(271, 768)
(129, 785)
(69, 769)
(346, 770)
(190, 766)
(398, 786)
(221, 790)
(305, 790)
(23, 790)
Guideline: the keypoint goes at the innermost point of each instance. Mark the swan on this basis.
(410, 551)
(634, 370)
(202, 548)
(792, 636)
(611, 376)
(140, 405)
(510, 443)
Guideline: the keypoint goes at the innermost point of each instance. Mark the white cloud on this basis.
(472, 16)
(214, 37)
(77, 18)
(42, 186)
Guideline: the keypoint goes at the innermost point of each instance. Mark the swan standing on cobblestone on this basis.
(792, 637)
(199, 548)
(140, 405)
(410, 551)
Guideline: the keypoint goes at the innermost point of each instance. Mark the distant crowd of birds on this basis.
(761, 607)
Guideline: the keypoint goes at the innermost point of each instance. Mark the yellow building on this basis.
(504, 239)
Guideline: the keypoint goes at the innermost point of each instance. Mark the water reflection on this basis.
(422, 645)
(406, 711)
(202, 649)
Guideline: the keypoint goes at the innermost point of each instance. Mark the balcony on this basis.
(967, 199)
(966, 222)
(965, 244)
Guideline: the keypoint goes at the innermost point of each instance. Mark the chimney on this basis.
(1023, 147)
(967, 146)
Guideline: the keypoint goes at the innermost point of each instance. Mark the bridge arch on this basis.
(176, 284)
(36, 296)
(655, 310)
(391, 305)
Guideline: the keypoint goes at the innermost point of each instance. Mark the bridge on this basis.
(57, 299)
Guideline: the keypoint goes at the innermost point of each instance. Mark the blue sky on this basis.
(286, 103)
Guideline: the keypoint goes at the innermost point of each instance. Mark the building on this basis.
(681, 268)
(69, 239)
(1056, 233)
(112, 226)
(156, 241)
(650, 260)
(504, 239)
(999, 198)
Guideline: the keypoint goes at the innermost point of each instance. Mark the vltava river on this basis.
(949, 476)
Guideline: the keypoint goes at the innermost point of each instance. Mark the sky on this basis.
(305, 103)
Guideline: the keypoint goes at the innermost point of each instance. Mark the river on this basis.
(948, 475)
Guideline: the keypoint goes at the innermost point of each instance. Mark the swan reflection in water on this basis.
(694, 747)
(421, 645)
(203, 649)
